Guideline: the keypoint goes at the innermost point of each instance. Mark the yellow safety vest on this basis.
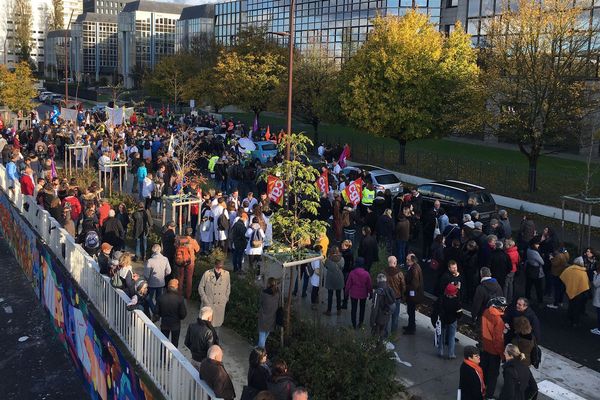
(212, 162)
(367, 197)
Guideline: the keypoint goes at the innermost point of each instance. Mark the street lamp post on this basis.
(67, 61)
(290, 76)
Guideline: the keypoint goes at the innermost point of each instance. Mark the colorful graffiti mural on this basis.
(21, 238)
(107, 373)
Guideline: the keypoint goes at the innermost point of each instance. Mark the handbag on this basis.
(436, 231)
(248, 393)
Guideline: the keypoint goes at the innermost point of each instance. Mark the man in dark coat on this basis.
(200, 336)
(168, 242)
(213, 373)
(402, 236)
(500, 263)
(142, 223)
(113, 231)
(488, 289)
(237, 235)
(171, 309)
(368, 248)
(522, 309)
(414, 292)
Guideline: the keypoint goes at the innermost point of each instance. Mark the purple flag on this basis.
(53, 172)
(255, 125)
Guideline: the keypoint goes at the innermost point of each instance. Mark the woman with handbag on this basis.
(254, 248)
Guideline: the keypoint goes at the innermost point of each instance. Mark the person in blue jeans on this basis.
(155, 271)
(142, 172)
(449, 310)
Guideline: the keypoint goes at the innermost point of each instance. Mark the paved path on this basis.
(39, 366)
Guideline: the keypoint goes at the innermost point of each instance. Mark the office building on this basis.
(194, 21)
(146, 33)
(57, 43)
(112, 7)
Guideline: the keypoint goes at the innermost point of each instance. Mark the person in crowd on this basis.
(534, 271)
(402, 234)
(492, 338)
(139, 301)
(259, 373)
(315, 272)
(128, 277)
(596, 298)
(171, 309)
(213, 373)
(384, 302)
(500, 263)
(395, 280)
(414, 292)
(559, 261)
(113, 231)
(255, 244)
(187, 248)
(156, 270)
(470, 264)
(104, 258)
(519, 383)
(505, 224)
(522, 309)
(142, 225)
(523, 338)
(239, 241)
(358, 288)
(590, 260)
(384, 229)
(200, 336)
(488, 288)
(334, 279)
(167, 241)
(300, 393)
(450, 275)
(450, 310)
(267, 311)
(577, 286)
(123, 216)
(526, 233)
(472, 381)
(282, 385)
(513, 254)
(368, 248)
(214, 290)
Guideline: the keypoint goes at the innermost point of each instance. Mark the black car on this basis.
(458, 198)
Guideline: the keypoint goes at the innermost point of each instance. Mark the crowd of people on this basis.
(475, 263)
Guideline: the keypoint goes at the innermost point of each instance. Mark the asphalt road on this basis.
(38, 367)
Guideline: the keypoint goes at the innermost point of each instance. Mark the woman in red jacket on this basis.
(513, 253)
(358, 287)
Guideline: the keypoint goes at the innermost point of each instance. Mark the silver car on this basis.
(382, 179)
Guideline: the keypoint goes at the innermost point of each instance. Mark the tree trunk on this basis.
(402, 151)
(532, 173)
(288, 304)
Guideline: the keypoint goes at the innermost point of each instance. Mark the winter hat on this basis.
(451, 290)
(470, 224)
(140, 284)
(117, 255)
(578, 261)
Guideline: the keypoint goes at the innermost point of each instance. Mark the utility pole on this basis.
(290, 76)
(67, 61)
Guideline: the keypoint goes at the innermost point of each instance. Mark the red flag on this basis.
(353, 192)
(344, 156)
(323, 182)
(275, 189)
(268, 133)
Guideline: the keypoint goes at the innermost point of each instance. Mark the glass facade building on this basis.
(96, 35)
(339, 25)
(194, 21)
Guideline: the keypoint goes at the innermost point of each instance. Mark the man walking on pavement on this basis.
(171, 310)
(200, 336)
(168, 241)
(142, 223)
(156, 270)
(186, 244)
(414, 292)
(492, 338)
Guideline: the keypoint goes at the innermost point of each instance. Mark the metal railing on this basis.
(172, 373)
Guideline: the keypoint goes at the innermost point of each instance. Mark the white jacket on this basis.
(147, 187)
(254, 251)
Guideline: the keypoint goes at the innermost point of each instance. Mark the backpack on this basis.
(183, 257)
(223, 222)
(536, 356)
(115, 279)
(256, 240)
(92, 240)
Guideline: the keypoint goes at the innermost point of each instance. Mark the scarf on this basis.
(479, 372)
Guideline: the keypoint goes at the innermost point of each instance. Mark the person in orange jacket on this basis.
(492, 338)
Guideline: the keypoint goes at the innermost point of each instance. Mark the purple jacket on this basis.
(358, 285)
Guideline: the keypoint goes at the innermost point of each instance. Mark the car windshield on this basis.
(269, 147)
(387, 179)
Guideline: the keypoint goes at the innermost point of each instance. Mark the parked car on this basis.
(69, 80)
(54, 99)
(265, 150)
(382, 179)
(455, 196)
(43, 95)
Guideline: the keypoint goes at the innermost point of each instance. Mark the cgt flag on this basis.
(353, 192)
(275, 189)
(323, 183)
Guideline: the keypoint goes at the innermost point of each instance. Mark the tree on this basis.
(292, 226)
(249, 80)
(535, 67)
(22, 21)
(314, 86)
(170, 76)
(138, 73)
(17, 88)
(58, 15)
(200, 86)
(403, 78)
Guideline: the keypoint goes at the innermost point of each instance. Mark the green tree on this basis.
(170, 76)
(249, 80)
(58, 15)
(17, 88)
(403, 78)
(292, 226)
(535, 67)
(200, 87)
(138, 74)
(22, 21)
(315, 77)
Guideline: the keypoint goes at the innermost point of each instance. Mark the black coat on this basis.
(500, 265)
(469, 384)
(142, 222)
(213, 373)
(171, 309)
(258, 376)
(168, 244)
(237, 235)
(282, 387)
(199, 337)
(519, 383)
(369, 250)
(113, 232)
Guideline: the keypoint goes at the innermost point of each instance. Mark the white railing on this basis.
(172, 373)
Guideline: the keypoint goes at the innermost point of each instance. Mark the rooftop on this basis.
(154, 6)
(201, 11)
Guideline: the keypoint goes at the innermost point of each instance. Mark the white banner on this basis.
(68, 114)
(115, 116)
